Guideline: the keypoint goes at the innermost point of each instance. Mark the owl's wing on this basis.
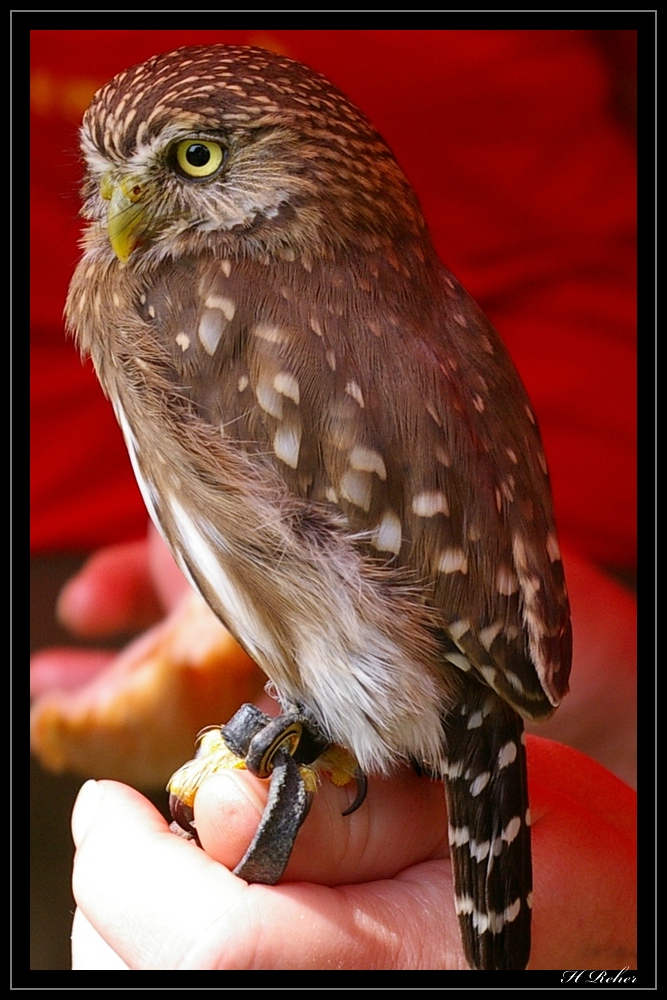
(404, 412)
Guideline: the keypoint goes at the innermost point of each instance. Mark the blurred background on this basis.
(521, 147)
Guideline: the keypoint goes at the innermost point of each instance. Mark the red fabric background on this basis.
(525, 171)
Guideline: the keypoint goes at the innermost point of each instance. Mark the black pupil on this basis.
(197, 155)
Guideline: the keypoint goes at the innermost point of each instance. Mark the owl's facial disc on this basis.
(186, 181)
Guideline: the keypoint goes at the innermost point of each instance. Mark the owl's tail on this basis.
(489, 829)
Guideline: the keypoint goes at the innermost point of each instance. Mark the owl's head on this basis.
(236, 144)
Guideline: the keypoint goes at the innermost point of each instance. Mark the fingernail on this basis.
(85, 809)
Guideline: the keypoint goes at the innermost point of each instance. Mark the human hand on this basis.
(368, 891)
(133, 715)
(127, 587)
(95, 709)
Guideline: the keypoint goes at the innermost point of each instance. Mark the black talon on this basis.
(183, 817)
(277, 748)
(362, 790)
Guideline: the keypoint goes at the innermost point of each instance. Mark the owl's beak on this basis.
(127, 216)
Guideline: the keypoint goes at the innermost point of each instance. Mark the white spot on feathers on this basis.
(226, 306)
(353, 389)
(429, 503)
(287, 385)
(479, 784)
(452, 561)
(507, 755)
(356, 487)
(286, 444)
(367, 460)
(388, 533)
(210, 330)
(553, 550)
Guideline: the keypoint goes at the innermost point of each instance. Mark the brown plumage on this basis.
(330, 435)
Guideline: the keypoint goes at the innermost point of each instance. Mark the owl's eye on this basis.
(198, 158)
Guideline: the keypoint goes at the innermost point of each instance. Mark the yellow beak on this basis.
(127, 215)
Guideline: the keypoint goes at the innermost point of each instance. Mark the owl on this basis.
(333, 441)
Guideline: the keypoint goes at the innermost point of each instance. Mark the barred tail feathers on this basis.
(489, 829)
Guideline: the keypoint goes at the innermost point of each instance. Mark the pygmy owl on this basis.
(331, 437)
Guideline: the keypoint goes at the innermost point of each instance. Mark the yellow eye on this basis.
(199, 158)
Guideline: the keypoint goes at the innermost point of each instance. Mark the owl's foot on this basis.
(281, 748)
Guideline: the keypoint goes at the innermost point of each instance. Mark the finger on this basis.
(150, 895)
(89, 950)
(136, 720)
(160, 903)
(552, 766)
(113, 592)
(123, 865)
(65, 669)
(584, 825)
(402, 822)
(576, 805)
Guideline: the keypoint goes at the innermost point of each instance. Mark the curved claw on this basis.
(282, 749)
(183, 817)
(362, 790)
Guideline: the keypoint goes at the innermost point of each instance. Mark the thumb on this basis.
(402, 822)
